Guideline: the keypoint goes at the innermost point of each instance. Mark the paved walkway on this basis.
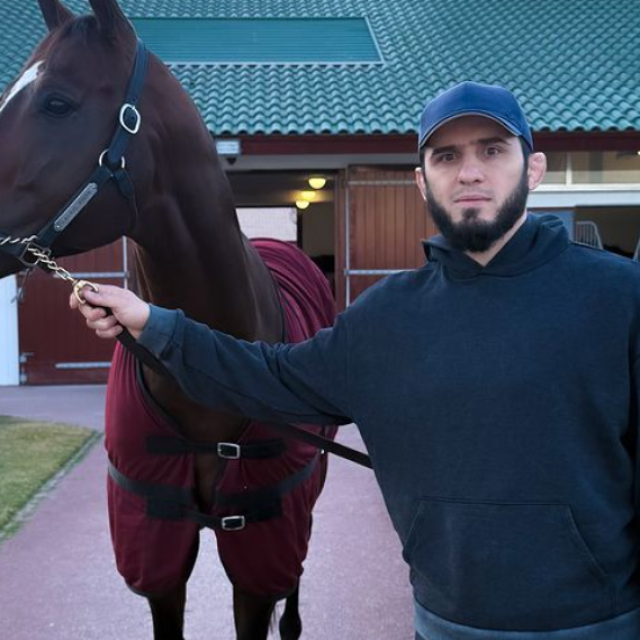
(58, 580)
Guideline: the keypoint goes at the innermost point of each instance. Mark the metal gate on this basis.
(381, 220)
(55, 345)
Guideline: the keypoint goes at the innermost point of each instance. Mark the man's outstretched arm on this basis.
(305, 382)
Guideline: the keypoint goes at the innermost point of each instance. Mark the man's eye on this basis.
(58, 107)
(493, 151)
(446, 157)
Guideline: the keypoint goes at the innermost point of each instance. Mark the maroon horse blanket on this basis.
(156, 554)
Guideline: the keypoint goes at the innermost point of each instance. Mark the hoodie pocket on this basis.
(506, 566)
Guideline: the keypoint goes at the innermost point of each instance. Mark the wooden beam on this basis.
(260, 145)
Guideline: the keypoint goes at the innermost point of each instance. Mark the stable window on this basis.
(605, 167)
(280, 223)
(244, 41)
(592, 167)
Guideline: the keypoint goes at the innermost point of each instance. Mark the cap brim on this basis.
(503, 123)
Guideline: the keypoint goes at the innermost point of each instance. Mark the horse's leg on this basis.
(290, 622)
(168, 614)
(252, 616)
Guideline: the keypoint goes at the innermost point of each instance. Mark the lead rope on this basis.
(48, 264)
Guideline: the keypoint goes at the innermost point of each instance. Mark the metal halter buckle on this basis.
(233, 523)
(229, 450)
(129, 108)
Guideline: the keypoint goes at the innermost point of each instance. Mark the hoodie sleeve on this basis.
(304, 382)
(634, 417)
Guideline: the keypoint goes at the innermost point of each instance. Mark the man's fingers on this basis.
(93, 313)
(108, 296)
(94, 303)
(118, 301)
(88, 311)
(110, 333)
(102, 323)
(125, 308)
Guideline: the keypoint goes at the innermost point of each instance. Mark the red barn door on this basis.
(55, 345)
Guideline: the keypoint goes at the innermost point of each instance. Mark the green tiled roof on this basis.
(575, 64)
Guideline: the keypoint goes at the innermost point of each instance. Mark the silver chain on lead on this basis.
(10, 240)
(41, 256)
(54, 268)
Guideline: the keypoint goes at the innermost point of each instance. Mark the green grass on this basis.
(30, 454)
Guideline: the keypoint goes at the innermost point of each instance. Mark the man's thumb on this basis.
(98, 298)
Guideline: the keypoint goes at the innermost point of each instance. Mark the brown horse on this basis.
(173, 200)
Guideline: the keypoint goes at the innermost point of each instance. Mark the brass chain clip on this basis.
(42, 256)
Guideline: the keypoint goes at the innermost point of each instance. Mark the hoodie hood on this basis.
(538, 240)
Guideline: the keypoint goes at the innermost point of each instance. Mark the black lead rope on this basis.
(142, 354)
(322, 443)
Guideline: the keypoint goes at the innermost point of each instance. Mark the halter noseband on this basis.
(111, 165)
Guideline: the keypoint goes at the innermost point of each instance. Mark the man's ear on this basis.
(421, 182)
(536, 170)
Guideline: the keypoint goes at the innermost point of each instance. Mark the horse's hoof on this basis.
(290, 628)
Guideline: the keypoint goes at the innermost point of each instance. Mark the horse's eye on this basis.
(59, 107)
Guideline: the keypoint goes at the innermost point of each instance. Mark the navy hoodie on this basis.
(499, 406)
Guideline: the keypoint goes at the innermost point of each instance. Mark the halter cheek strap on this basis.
(111, 166)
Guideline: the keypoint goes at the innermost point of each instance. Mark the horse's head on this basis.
(56, 119)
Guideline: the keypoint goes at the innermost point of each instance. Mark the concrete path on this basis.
(58, 580)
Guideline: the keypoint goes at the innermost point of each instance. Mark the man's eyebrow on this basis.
(448, 149)
(494, 140)
(483, 141)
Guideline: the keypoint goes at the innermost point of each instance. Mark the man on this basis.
(496, 389)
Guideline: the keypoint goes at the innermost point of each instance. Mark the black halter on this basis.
(111, 166)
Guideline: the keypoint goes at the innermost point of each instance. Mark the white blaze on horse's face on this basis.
(29, 76)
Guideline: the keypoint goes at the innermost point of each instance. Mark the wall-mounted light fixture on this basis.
(228, 147)
(317, 182)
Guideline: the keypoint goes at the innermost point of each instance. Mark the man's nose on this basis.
(471, 171)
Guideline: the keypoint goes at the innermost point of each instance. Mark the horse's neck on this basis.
(190, 252)
(193, 256)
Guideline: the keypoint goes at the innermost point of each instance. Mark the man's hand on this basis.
(128, 311)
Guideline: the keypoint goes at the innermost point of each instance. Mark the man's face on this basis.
(475, 181)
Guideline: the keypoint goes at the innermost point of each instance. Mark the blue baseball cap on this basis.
(474, 99)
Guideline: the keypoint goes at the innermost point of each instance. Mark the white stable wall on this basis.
(9, 358)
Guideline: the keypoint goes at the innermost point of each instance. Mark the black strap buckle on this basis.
(233, 523)
(229, 450)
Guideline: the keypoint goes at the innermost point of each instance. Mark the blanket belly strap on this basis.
(259, 450)
(168, 502)
(263, 495)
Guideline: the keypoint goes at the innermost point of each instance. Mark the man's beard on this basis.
(475, 235)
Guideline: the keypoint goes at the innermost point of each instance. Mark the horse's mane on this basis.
(85, 29)
(83, 26)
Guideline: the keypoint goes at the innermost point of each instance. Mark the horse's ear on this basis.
(55, 13)
(109, 16)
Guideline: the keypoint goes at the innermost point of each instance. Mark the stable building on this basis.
(329, 92)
